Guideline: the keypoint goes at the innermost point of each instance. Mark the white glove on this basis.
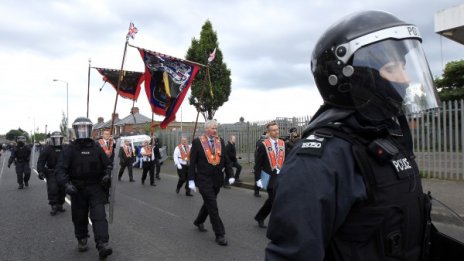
(259, 183)
(192, 186)
(179, 166)
(231, 181)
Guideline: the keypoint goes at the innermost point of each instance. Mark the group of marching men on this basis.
(82, 169)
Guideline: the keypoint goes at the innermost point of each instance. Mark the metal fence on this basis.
(437, 136)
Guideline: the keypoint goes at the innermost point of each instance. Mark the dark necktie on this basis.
(185, 148)
(276, 149)
(211, 142)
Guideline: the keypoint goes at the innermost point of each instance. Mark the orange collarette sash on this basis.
(212, 159)
(185, 155)
(127, 151)
(148, 151)
(107, 149)
(279, 162)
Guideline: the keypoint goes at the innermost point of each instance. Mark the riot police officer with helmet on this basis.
(21, 155)
(46, 168)
(350, 189)
(85, 172)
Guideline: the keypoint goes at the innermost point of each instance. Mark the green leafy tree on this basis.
(39, 137)
(219, 73)
(64, 125)
(451, 83)
(12, 134)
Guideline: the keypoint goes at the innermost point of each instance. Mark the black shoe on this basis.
(104, 250)
(257, 195)
(60, 208)
(54, 211)
(21, 186)
(238, 181)
(119, 179)
(143, 182)
(153, 184)
(201, 227)
(188, 194)
(26, 183)
(132, 180)
(261, 224)
(82, 245)
(221, 240)
(177, 190)
(158, 177)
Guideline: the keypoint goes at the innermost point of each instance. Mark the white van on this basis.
(138, 140)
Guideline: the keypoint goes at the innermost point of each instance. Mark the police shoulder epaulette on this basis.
(313, 144)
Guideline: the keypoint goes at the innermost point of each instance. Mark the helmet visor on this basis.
(398, 80)
(82, 131)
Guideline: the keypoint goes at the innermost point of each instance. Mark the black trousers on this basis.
(209, 207)
(123, 166)
(90, 198)
(148, 166)
(183, 173)
(265, 210)
(23, 172)
(158, 167)
(239, 169)
(55, 192)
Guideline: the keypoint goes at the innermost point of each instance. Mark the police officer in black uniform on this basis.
(46, 168)
(85, 171)
(21, 155)
(351, 189)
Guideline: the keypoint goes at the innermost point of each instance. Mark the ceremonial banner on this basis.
(167, 80)
(130, 84)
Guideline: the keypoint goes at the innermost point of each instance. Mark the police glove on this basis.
(70, 189)
(41, 175)
(106, 181)
(179, 166)
(231, 181)
(192, 185)
(259, 183)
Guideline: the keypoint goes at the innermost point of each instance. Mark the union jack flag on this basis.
(132, 31)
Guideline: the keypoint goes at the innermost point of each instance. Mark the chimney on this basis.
(115, 116)
(134, 110)
(100, 120)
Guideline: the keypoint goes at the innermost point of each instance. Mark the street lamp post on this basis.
(67, 104)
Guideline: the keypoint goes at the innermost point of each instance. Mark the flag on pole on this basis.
(212, 56)
(132, 31)
(167, 80)
(130, 85)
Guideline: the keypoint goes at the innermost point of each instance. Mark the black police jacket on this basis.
(48, 158)
(337, 199)
(20, 154)
(83, 161)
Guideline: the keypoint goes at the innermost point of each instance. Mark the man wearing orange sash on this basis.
(207, 160)
(126, 157)
(181, 159)
(107, 144)
(270, 157)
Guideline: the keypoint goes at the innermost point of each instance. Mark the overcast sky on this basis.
(266, 44)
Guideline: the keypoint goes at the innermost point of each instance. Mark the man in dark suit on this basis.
(257, 175)
(270, 157)
(126, 158)
(231, 152)
(207, 159)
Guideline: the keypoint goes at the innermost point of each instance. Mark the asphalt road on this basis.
(150, 223)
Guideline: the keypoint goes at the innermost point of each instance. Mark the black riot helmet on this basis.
(373, 62)
(56, 139)
(82, 128)
(20, 140)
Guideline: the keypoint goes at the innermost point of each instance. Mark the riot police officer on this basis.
(46, 168)
(85, 171)
(21, 155)
(351, 189)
